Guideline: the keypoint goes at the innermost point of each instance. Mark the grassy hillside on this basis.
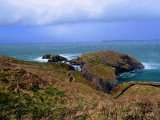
(50, 91)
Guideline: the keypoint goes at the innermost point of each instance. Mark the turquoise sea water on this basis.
(148, 52)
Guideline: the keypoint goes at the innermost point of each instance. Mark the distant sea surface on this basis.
(148, 52)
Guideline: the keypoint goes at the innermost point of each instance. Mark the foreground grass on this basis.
(48, 103)
(42, 91)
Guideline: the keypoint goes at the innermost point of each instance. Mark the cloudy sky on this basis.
(47, 21)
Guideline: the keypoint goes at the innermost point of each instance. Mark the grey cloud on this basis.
(43, 12)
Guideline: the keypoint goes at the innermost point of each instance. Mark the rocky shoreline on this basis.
(101, 67)
(56, 91)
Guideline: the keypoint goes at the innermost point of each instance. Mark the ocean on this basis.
(148, 52)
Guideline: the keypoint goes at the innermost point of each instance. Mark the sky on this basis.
(50, 21)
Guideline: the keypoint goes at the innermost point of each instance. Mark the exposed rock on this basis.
(77, 68)
(70, 67)
(54, 58)
(46, 56)
(102, 67)
(121, 62)
(20, 97)
(59, 59)
(102, 76)
(75, 61)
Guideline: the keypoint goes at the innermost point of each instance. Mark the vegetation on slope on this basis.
(37, 104)
(46, 91)
(121, 62)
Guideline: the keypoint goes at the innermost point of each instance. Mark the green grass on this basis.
(104, 72)
(40, 94)
(45, 103)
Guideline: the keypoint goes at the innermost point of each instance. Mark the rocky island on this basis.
(101, 67)
(56, 91)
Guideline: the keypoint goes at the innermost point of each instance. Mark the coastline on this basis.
(38, 84)
(122, 77)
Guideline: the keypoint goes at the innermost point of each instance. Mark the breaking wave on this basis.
(71, 56)
(39, 59)
(68, 56)
(151, 66)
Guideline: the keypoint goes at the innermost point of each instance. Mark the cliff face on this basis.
(102, 67)
(103, 77)
(31, 90)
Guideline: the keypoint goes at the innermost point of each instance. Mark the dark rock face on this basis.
(128, 64)
(67, 66)
(55, 58)
(63, 62)
(103, 79)
(121, 62)
(75, 61)
(102, 67)
(46, 56)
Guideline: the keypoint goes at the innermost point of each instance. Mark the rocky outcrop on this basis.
(47, 56)
(121, 62)
(102, 67)
(55, 58)
(103, 77)
(59, 59)
(75, 61)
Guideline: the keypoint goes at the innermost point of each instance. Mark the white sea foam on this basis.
(151, 66)
(77, 67)
(127, 75)
(68, 56)
(39, 59)
(71, 56)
